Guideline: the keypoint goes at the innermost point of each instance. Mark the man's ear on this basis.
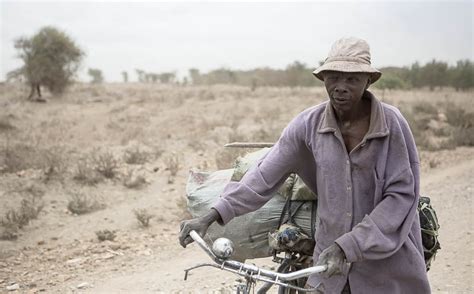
(368, 83)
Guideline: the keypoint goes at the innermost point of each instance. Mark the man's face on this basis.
(345, 89)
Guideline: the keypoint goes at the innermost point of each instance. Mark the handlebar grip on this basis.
(196, 237)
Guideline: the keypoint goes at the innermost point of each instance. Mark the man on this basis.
(358, 155)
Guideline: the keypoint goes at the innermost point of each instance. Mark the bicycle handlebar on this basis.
(252, 271)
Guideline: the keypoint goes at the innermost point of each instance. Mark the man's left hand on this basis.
(334, 258)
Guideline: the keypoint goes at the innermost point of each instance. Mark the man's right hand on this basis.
(200, 225)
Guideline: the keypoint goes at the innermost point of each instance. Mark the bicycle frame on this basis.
(251, 272)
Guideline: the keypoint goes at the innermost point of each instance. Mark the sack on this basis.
(293, 187)
(429, 230)
(249, 232)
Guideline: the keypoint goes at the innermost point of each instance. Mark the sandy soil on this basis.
(59, 252)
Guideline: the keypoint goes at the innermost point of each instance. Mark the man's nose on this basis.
(340, 88)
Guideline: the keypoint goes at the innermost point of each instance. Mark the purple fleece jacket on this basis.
(367, 198)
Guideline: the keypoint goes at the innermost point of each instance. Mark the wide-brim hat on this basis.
(349, 55)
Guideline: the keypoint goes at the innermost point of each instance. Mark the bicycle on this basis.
(284, 277)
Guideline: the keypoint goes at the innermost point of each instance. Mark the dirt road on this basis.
(162, 269)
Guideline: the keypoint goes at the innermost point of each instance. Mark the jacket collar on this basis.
(377, 127)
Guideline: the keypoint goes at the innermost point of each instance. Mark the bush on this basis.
(30, 207)
(105, 235)
(143, 217)
(106, 164)
(134, 181)
(16, 157)
(172, 164)
(81, 204)
(136, 156)
(53, 164)
(86, 174)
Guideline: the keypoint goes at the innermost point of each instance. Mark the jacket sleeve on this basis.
(381, 233)
(264, 178)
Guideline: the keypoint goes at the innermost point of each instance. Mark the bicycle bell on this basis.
(223, 248)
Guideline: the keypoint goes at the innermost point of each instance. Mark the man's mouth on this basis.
(340, 99)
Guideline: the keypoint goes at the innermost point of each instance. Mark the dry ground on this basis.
(60, 253)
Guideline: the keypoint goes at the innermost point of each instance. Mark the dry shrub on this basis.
(463, 123)
(105, 235)
(463, 137)
(17, 157)
(86, 174)
(454, 125)
(53, 164)
(30, 207)
(132, 180)
(81, 204)
(143, 217)
(136, 156)
(172, 164)
(105, 163)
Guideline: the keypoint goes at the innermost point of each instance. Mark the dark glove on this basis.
(334, 258)
(200, 225)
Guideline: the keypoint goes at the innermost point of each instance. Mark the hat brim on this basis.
(348, 66)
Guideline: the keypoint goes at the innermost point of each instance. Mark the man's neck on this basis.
(358, 112)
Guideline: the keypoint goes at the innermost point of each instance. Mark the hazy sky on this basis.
(157, 37)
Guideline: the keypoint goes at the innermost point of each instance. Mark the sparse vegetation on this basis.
(86, 174)
(16, 156)
(30, 207)
(143, 217)
(441, 125)
(82, 204)
(105, 163)
(172, 164)
(135, 155)
(105, 235)
(53, 165)
(133, 180)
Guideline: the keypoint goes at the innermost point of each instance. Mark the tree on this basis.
(141, 74)
(167, 77)
(96, 75)
(434, 74)
(51, 59)
(195, 76)
(125, 76)
(462, 76)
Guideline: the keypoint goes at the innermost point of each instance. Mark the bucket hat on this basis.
(349, 55)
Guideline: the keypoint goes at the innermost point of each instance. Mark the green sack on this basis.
(243, 163)
(293, 187)
(300, 191)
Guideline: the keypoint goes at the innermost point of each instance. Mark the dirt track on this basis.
(146, 261)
